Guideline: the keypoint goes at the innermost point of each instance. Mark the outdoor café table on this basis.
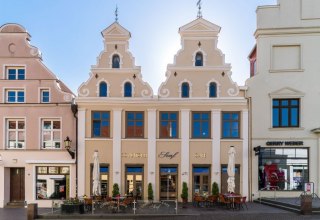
(231, 197)
(117, 199)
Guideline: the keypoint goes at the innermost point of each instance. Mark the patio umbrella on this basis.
(96, 187)
(231, 167)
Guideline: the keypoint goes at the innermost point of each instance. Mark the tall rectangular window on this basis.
(134, 124)
(230, 125)
(201, 123)
(285, 113)
(15, 133)
(51, 134)
(15, 73)
(15, 96)
(169, 124)
(45, 96)
(100, 124)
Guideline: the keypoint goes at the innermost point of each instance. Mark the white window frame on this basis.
(16, 130)
(16, 67)
(51, 133)
(16, 95)
(41, 95)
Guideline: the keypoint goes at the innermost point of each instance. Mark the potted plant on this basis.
(215, 189)
(72, 206)
(115, 190)
(184, 194)
(150, 193)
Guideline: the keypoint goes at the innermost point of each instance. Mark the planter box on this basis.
(72, 209)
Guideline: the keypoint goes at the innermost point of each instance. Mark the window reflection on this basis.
(283, 168)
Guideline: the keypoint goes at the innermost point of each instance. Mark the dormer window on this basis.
(213, 90)
(185, 90)
(103, 89)
(127, 89)
(115, 61)
(199, 59)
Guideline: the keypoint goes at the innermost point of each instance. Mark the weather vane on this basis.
(116, 13)
(199, 7)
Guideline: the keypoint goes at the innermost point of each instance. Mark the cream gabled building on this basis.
(284, 90)
(183, 134)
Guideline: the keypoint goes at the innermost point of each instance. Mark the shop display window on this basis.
(283, 168)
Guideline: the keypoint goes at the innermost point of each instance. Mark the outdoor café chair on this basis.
(224, 201)
(199, 201)
(212, 200)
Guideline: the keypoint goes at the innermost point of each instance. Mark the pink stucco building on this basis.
(35, 119)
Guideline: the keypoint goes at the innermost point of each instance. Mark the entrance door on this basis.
(168, 183)
(17, 185)
(134, 182)
(201, 181)
(224, 178)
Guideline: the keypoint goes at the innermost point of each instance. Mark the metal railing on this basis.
(270, 188)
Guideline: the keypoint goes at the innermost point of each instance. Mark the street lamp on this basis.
(67, 145)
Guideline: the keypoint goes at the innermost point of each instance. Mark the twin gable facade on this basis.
(187, 128)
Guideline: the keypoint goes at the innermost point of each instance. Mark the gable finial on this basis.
(116, 13)
(199, 7)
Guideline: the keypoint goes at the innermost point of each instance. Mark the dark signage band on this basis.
(286, 143)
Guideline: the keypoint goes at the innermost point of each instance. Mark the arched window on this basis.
(103, 89)
(199, 59)
(115, 61)
(185, 90)
(127, 89)
(213, 90)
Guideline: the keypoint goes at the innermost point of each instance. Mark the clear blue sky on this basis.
(68, 32)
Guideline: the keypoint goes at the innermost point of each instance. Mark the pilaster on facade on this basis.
(216, 137)
(185, 136)
(116, 165)
(81, 150)
(245, 152)
(152, 121)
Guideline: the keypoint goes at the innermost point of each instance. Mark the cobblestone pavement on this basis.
(255, 212)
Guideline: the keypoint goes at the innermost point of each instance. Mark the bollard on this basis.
(32, 211)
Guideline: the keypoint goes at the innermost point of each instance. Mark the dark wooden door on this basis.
(17, 184)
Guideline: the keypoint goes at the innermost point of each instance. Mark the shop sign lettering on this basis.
(286, 143)
(200, 155)
(168, 155)
(134, 155)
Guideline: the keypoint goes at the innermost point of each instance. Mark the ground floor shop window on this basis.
(168, 182)
(134, 182)
(53, 182)
(283, 168)
(201, 180)
(104, 179)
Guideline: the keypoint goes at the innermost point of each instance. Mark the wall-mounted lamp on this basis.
(134, 76)
(151, 172)
(1, 161)
(216, 172)
(117, 172)
(184, 173)
(67, 145)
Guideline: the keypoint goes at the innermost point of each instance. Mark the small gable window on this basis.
(103, 89)
(213, 90)
(115, 61)
(185, 90)
(199, 59)
(127, 89)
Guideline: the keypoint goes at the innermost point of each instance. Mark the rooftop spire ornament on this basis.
(199, 7)
(116, 13)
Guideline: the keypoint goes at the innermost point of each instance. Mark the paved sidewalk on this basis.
(256, 212)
